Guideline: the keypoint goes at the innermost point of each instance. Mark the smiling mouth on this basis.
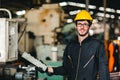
(82, 30)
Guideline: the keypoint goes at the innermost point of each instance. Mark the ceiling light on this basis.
(118, 11)
(76, 4)
(118, 38)
(69, 20)
(63, 3)
(110, 10)
(112, 16)
(107, 9)
(107, 15)
(92, 7)
(21, 12)
(102, 15)
(101, 8)
(81, 5)
(74, 12)
(100, 18)
(91, 12)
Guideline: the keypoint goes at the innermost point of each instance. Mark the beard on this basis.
(84, 33)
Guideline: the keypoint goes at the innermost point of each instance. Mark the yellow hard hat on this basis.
(83, 15)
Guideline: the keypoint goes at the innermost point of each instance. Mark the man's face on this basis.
(82, 28)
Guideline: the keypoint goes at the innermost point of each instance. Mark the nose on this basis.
(82, 26)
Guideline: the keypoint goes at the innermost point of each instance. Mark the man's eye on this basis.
(86, 24)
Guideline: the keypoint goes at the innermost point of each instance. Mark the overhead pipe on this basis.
(8, 11)
(87, 4)
(106, 30)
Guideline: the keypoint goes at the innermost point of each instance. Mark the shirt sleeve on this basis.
(103, 64)
(61, 70)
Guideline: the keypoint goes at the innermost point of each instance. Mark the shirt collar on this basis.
(84, 41)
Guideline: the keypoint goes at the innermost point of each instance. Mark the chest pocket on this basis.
(89, 56)
(89, 60)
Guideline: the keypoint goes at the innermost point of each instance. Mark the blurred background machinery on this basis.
(8, 38)
(37, 36)
(9, 51)
(43, 28)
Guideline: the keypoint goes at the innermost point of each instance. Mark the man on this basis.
(85, 57)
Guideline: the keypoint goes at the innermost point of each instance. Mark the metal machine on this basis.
(8, 39)
(9, 53)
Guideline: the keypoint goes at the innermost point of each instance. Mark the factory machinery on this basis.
(17, 63)
(10, 68)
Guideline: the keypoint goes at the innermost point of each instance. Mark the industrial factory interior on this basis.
(35, 33)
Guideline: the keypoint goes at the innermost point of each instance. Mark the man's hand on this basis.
(50, 71)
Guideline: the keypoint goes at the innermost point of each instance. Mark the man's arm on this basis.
(56, 70)
(103, 64)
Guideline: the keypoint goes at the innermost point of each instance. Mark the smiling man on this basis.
(84, 58)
